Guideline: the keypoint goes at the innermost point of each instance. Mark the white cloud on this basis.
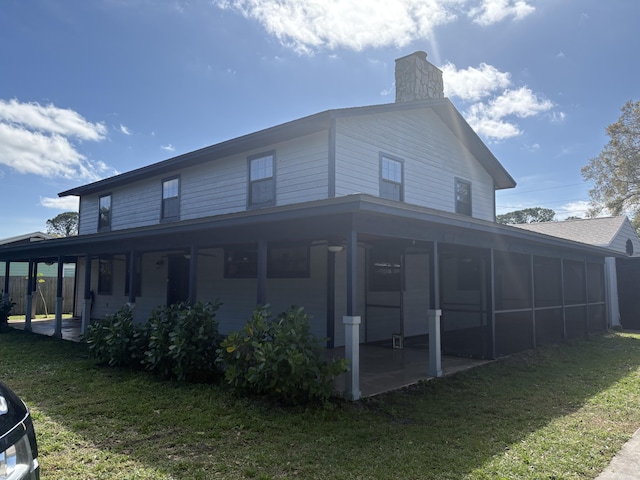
(168, 148)
(573, 209)
(492, 103)
(39, 140)
(473, 83)
(355, 25)
(68, 204)
(493, 11)
(125, 130)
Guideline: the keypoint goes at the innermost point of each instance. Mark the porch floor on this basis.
(382, 368)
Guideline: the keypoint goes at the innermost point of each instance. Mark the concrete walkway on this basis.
(626, 464)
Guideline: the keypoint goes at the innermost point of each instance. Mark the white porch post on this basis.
(435, 355)
(352, 355)
(86, 315)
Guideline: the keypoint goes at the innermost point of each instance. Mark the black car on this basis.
(18, 449)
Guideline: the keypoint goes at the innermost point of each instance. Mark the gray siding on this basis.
(619, 242)
(433, 158)
(218, 187)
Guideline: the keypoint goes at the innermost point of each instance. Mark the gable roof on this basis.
(602, 232)
(304, 126)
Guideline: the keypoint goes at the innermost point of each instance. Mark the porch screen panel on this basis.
(595, 282)
(576, 321)
(512, 273)
(547, 282)
(597, 318)
(549, 326)
(464, 303)
(574, 286)
(514, 332)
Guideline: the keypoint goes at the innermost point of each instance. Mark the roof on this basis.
(26, 238)
(592, 231)
(304, 126)
(313, 219)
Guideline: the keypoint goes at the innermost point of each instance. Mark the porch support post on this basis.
(352, 354)
(58, 330)
(86, 302)
(435, 354)
(331, 299)
(34, 289)
(193, 275)
(29, 298)
(534, 327)
(262, 273)
(5, 294)
(133, 259)
(564, 307)
(434, 316)
(492, 305)
(352, 321)
(586, 297)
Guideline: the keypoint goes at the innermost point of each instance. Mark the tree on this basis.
(63, 225)
(615, 172)
(527, 215)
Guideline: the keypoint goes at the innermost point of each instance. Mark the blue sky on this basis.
(89, 89)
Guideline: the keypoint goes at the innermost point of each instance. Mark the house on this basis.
(379, 220)
(618, 235)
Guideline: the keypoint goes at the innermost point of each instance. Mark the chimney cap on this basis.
(418, 53)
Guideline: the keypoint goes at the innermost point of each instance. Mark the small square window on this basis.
(262, 190)
(171, 199)
(241, 262)
(463, 197)
(288, 261)
(391, 179)
(104, 213)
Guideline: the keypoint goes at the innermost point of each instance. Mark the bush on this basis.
(116, 340)
(5, 309)
(182, 341)
(279, 358)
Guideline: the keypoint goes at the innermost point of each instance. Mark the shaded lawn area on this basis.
(559, 412)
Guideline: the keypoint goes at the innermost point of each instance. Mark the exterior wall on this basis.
(433, 159)
(619, 242)
(218, 187)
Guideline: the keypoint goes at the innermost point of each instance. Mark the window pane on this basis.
(104, 215)
(170, 207)
(170, 188)
(104, 277)
(391, 170)
(262, 192)
(261, 168)
(463, 197)
(390, 191)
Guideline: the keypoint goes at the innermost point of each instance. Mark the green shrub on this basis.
(279, 358)
(5, 309)
(182, 341)
(116, 340)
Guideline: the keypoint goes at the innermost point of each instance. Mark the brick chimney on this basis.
(417, 79)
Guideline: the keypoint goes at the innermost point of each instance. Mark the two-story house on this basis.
(379, 220)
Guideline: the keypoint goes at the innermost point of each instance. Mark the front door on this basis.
(177, 279)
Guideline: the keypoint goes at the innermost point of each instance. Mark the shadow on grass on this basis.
(498, 420)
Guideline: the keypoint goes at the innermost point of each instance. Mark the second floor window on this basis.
(171, 199)
(463, 197)
(391, 185)
(104, 213)
(262, 187)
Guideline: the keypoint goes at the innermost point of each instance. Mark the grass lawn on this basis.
(558, 412)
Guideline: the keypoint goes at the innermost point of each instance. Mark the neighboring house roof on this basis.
(26, 238)
(608, 232)
(305, 126)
